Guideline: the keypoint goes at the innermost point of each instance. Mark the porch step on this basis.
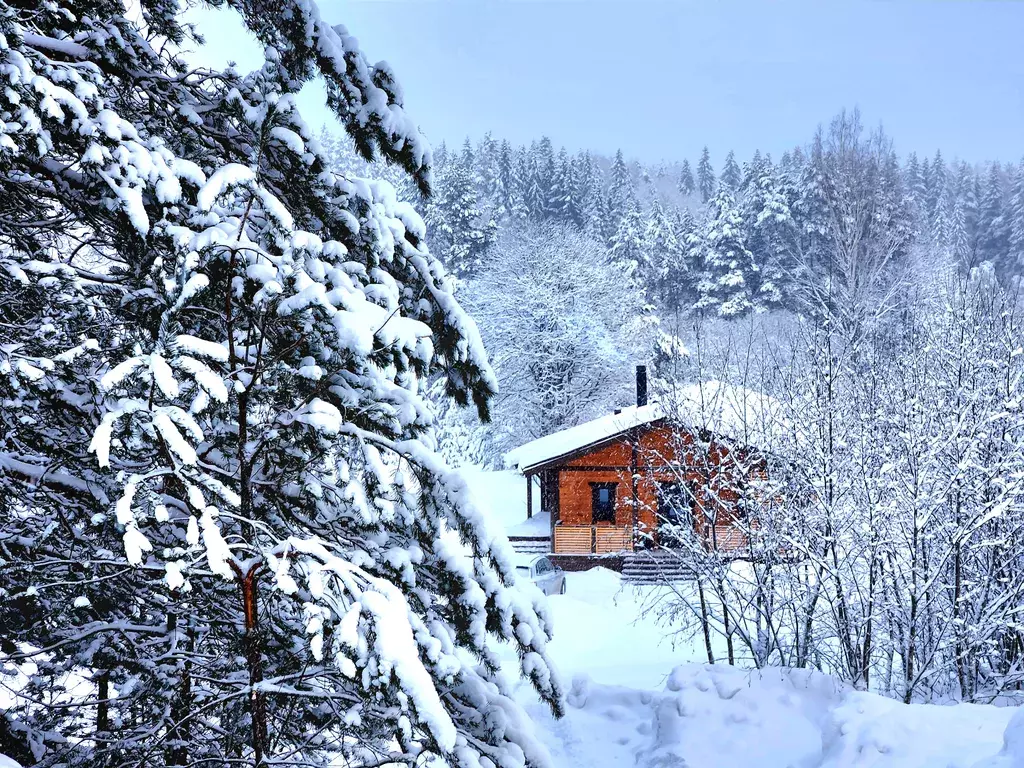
(655, 567)
(531, 546)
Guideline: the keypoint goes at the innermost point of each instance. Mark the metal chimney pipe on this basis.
(641, 385)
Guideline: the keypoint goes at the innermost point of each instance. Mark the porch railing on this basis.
(592, 539)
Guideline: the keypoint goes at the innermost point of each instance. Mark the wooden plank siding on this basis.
(637, 462)
(573, 540)
(592, 539)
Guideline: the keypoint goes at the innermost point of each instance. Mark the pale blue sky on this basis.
(661, 79)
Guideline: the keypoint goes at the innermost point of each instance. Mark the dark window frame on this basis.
(602, 512)
(548, 490)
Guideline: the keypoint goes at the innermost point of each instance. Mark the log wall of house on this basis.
(651, 452)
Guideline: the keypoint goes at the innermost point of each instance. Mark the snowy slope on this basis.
(636, 701)
(503, 494)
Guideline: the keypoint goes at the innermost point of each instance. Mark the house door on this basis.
(603, 502)
(675, 513)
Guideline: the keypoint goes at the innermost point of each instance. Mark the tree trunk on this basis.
(103, 706)
(177, 752)
(254, 662)
(704, 623)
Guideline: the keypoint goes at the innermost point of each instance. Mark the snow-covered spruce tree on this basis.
(727, 282)
(993, 226)
(627, 250)
(1015, 259)
(732, 176)
(508, 200)
(226, 537)
(621, 193)
(706, 181)
(686, 184)
(583, 195)
(539, 179)
(457, 230)
(560, 201)
(856, 226)
(772, 235)
(665, 252)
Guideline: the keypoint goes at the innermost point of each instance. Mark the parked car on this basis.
(548, 577)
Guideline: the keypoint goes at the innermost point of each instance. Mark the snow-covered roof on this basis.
(568, 440)
(743, 414)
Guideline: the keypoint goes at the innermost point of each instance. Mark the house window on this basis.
(603, 495)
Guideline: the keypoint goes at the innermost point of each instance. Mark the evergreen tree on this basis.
(457, 230)
(894, 205)
(728, 276)
(968, 195)
(993, 225)
(621, 195)
(732, 177)
(936, 181)
(545, 168)
(508, 194)
(916, 183)
(686, 184)
(752, 169)
(810, 211)
(1015, 254)
(467, 158)
(607, 223)
(627, 249)
(771, 234)
(535, 194)
(666, 254)
(486, 171)
(958, 240)
(560, 205)
(441, 156)
(705, 176)
(586, 193)
(226, 538)
(942, 224)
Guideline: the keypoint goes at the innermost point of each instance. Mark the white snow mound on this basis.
(712, 716)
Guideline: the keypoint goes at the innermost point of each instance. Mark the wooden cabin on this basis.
(610, 484)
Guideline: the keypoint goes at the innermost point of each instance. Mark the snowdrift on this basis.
(714, 716)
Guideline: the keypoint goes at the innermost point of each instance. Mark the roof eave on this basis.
(584, 449)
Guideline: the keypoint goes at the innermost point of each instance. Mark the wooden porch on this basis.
(592, 539)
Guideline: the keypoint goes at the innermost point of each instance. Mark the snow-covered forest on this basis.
(875, 300)
(245, 365)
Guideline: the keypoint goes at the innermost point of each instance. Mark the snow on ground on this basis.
(637, 701)
(538, 525)
(503, 494)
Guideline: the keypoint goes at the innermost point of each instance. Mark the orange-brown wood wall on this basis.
(662, 455)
